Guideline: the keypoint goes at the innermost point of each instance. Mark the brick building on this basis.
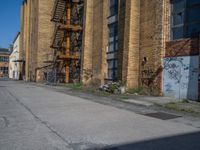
(121, 40)
(36, 32)
(4, 62)
(126, 40)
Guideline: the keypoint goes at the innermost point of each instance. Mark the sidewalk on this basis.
(184, 106)
(164, 103)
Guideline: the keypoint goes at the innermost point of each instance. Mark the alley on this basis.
(37, 118)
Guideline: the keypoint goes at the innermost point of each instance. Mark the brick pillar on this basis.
(21, 44)
(25, 36)
(121, 26)
(104, 65)
(130, 64)
(44, 34)
(86, 65)
(27, 43)
(100, 41)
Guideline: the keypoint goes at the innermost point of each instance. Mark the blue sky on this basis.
(9, 21)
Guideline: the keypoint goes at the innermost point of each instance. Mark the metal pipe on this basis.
(68, 39)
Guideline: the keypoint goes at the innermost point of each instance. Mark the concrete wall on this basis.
(181, 69)
(181, 77)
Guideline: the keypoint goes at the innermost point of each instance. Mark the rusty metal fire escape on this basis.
(67, 39)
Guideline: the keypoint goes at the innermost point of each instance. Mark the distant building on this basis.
(13, 61)
(4, 62)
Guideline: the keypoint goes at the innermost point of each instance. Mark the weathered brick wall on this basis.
(21, 42)
(154, 32)
(95, 42)
(36, 31)
(45, 32)
(143, 32)
(21, 45)
(100, 32)
(182, 47)
(130, 65)
(33, 39)
(27, 38)
(86, 74)
(121, 25)
(104, 66)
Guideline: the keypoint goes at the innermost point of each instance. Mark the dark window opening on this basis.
(185, 19)
(112, 59)
(4, 59)
(4, 70)
(113, 7)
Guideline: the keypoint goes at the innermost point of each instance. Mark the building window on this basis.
(112, 59)
(4, 70)
(113, 37)
(112, 69)
(4, 59)
(185, 19)
(113, 7)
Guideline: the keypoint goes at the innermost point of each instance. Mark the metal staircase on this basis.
(67, 39)
(58, 10)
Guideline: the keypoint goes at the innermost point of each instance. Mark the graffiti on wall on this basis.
(147, 76)
(181, 77)
(148, 73)
(173, 67)
(151, 79)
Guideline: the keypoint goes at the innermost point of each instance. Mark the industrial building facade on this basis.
(36, 32)
(96, 41)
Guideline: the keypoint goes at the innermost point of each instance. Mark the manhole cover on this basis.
(162, 116)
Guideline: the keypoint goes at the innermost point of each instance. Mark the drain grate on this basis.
(162, 115)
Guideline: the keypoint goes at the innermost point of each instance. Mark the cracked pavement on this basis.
(39, 118)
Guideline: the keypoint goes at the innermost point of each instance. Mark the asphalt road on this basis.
(37, 118)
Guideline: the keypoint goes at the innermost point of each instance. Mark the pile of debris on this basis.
(113, 87)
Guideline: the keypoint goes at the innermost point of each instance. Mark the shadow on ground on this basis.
(180, 142)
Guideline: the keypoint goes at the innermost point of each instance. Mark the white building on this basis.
(14, 56)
